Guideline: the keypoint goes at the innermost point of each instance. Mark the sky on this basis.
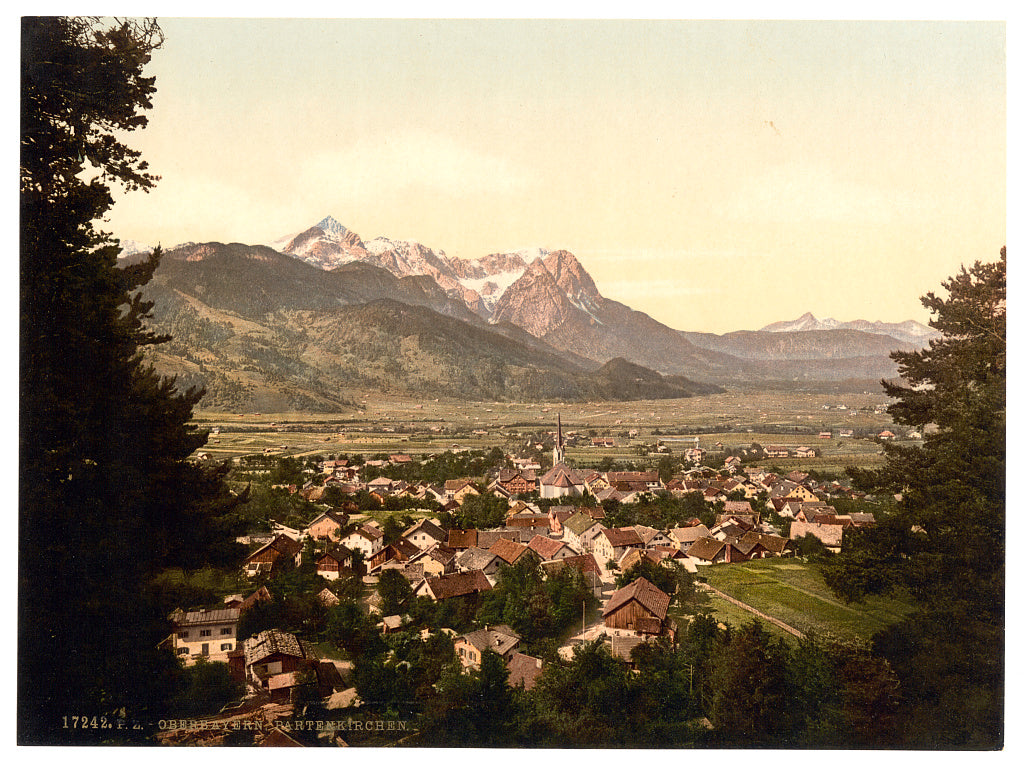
(717, 175)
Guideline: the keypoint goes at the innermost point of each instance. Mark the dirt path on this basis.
(752, 610)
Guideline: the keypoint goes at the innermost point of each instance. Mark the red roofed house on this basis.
(550, 549)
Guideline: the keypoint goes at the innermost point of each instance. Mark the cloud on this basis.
(411, 160)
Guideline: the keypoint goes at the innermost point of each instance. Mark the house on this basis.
(651, 537)
(457, 490)
(277, 662)
(738, 508)
(425, 534)
(477, 559)
(579, 532)
(524, 670)
(635, 480)
(685, 536)
(886, 435)
(804, 452)
(612, 544)
(438, 560)
(635, 555)
(517, 482)
(831, 535)
(508, 550)
(328, 525)
(486, 539)
(461, 539)
(335, 563)
(562, 481)
(500, 639)
(399, 551)
(776, 452)
(456, 585)
(587, 566)
(204, 633)
(281, 550)
(367, 539)
(708, 550)
(639, 607)
(550, 549)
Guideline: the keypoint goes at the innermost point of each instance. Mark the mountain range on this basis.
(304, 321)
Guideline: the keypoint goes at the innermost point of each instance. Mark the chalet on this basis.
(524, 670)
(334, 563)
(275, 662)
(830, 535)
(579, 532)
(517, 481)
(500, 639)
(367, 539)
(328, 525)
(651, 537)
(550, 549)
(208, 634)
(639, 607)
(399, 551)
(282, 550)
(611, 544)
(561, 481)
(453, 585)
(425, 534)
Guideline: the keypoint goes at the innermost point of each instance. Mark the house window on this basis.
(225, 631)
(182, 650)
(204, 633)
(225, 647)
(183, 634)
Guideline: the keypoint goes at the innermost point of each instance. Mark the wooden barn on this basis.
(639, 607)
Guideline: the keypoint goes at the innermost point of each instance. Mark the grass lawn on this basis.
(794, 592)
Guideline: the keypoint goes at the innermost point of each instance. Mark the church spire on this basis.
(559, 452)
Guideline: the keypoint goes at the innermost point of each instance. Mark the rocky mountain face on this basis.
(296, 323)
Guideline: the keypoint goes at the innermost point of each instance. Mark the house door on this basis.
(206, 650)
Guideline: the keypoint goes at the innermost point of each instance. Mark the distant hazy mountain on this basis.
(908, 331)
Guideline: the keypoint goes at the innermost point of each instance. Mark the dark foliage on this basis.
(107, 497)
(945, 542)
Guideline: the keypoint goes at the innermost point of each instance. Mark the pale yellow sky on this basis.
(716, 175)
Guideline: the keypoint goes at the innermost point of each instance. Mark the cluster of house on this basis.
(443, 564)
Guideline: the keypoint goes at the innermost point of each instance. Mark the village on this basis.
(550, 523)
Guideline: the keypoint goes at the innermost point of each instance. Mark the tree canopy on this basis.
(107, 497)
(946, 541)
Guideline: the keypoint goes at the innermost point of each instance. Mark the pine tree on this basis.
(946, 542)
(107, 497)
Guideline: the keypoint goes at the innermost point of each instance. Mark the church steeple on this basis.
(559, 453)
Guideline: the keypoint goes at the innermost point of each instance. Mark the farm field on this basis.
(735, 419)
(794, 592)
